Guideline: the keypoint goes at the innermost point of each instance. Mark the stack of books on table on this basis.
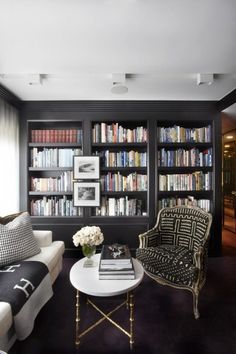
(116, 262)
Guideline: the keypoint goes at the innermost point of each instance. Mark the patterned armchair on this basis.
(174, 251)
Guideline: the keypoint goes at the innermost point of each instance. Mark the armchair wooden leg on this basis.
(195, 304)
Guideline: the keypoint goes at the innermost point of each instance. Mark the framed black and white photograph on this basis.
(86, 167)
(86, 194)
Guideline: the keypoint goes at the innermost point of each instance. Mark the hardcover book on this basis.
(116, 276)
(115, 254)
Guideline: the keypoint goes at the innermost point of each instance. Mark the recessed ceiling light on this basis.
(205, 79)
(118, 81)
(229, 137)
(227, 146)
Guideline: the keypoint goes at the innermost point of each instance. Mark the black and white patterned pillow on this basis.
(17, 240)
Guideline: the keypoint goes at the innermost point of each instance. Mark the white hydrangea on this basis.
(88, 235)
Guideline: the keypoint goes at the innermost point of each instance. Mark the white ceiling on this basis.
(78, 44)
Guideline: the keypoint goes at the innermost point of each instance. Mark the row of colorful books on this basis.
(116, 263)
(181, 157)
(54, 206)
(61, 183)
(43, 158)
(118, 182)
(56, 136)
(204, 204)
(177, 134)
(186, 182)
(115, 133)
(123, 206)
(122, 158)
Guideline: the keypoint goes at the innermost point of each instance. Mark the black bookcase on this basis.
(117, 225)
(185, 157)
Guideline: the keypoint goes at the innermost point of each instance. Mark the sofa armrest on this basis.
(43, 237)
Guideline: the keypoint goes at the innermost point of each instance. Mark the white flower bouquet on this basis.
(88, 235)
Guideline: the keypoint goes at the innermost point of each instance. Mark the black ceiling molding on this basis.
(227, 101)
(9, 97)
(119, 106)
(123, 106)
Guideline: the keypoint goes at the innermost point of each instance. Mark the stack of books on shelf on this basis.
(116, 263)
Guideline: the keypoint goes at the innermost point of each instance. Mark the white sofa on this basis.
(51, 254)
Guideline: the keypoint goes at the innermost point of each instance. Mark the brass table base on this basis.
(129, 303)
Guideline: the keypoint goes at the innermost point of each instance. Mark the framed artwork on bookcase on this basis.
(86, 167)
(86, 194)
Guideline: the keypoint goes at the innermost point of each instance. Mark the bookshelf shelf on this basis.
(55, 145)
(183, 169)
(124, 169)
(199, 194)
(188, 145)
(35, 169)
(56, 217)
(50, 193)
(123, 193)
(119, 145)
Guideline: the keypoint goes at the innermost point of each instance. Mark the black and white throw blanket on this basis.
(26, 286)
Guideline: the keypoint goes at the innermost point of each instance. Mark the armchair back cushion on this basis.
(183, 226)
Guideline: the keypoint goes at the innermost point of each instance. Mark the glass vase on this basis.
(88, 252)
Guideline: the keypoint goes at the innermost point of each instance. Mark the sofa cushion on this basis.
(172, 263)
(17, 240)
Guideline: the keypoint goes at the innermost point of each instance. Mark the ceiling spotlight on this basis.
(118, 84)
(34, 79)
(205, 79)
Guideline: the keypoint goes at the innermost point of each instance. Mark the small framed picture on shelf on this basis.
(86, 167)
(86, 194)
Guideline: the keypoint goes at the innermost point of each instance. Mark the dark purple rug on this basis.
(164, 322)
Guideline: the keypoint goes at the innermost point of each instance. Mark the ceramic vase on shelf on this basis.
(88, 252)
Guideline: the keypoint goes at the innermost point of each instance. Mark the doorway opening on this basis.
(229, 180)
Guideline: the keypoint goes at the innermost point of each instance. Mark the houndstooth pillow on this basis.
(17, 240)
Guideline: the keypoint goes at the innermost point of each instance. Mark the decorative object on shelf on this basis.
(86, 167)
(86, 194)
(88, 238)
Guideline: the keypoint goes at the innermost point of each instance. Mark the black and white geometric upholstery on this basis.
(174, 251)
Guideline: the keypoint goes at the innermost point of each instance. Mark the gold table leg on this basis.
(128, 302)
(77, 319)
(131, 305)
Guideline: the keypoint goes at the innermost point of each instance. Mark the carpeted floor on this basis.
(164, 322)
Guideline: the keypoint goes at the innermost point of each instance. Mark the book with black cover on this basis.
(115, 254)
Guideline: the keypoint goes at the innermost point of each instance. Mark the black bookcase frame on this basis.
(121, 229)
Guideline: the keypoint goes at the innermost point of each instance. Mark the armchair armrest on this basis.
(148, 238)
(43, 237)
(197, 256)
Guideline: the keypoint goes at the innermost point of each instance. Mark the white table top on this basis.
(87, 281)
